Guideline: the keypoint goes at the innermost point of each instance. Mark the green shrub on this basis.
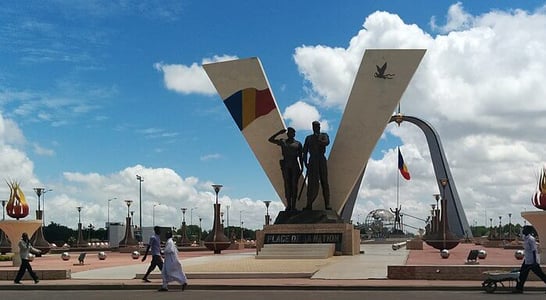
(6, 257)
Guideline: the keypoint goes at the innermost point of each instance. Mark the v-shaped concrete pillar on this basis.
(379, 84)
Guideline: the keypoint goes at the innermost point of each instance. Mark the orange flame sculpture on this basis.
(17, 206)
(539, 197)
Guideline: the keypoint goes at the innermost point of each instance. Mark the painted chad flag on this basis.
(244, 89)
(402, 166)
(249, 104)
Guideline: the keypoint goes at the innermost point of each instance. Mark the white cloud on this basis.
(185, 79)
(457, 19)
(43, 151)
(10, 133)
(213, 156)
(189, 79)
(300, 115)
(160, 185)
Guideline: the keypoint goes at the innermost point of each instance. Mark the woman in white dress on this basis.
(172, 268)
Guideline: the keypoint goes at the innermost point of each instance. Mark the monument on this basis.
(217, 240)
(381, 80)
(18, 208)
(128, 243)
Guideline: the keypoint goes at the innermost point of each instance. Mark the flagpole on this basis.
(397, 183)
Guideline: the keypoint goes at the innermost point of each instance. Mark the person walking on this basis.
(157, 261)
(317, 168)
(172, 270)
(530, 259)
(291, 164)
(25, 250)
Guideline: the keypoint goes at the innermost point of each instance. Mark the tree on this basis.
(56, 233)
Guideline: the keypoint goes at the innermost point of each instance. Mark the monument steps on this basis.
(296, 251)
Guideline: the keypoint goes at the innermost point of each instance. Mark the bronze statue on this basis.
(317, 169)
(291, 164)
(397, 220)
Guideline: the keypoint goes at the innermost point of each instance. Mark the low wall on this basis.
(42, 274)
(463, 272)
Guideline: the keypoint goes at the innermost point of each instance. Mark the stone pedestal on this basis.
(345, 237)
(128, 240)
(538, 220)
(414, 244)
(14, 229)
(38, 240)
(307, 217)
(5, 243)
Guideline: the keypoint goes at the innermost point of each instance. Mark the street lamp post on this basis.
(43, 204)
(242, 233)
(79, 242)
(491, 227)
(184, 240)
(443, 182)
(153, 213)
(39, 191)
(108, 220)
(229, 232)
(191, 215)
(267, 202)
(200, 230)
(128, 202)
(140, 180)
(3, 210)
(510, 227)
(5, 246)
(89, 234)
(500, 227)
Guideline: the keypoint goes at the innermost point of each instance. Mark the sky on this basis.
(93, 93)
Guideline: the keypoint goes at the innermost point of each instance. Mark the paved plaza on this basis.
(238, 269)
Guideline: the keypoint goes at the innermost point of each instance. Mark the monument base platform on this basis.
(307, 217)
(345, 237)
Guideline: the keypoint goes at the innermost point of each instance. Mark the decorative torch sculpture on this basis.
(17, 206)
(539, 197)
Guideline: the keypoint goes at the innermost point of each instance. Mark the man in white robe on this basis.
(172, 268)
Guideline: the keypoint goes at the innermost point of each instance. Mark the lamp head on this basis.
(267, 202)
(217, 187)
(128, 202)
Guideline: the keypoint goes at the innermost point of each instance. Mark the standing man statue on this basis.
(291, 164)
(397, 220)
(317, 169)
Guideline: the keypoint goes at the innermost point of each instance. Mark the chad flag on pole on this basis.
(402, 166)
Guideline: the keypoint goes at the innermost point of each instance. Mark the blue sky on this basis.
(94, 92)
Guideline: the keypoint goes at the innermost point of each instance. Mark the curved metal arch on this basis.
(456, 215)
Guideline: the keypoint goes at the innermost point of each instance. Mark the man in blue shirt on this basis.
(157, 261)
(530, 262)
